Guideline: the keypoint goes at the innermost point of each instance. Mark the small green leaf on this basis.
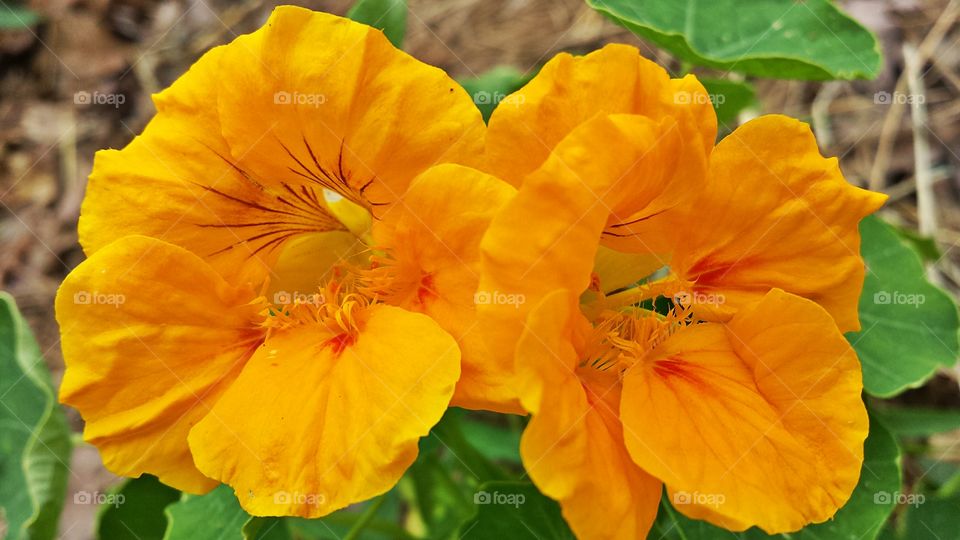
(785, 39)
(931, 519)
(35, 442)
(16, 17)
(515, 510)
(862, 517)
(387, 15)
(729, 98)
(450, 438)
(383, 525)
(918, 422)
(494, 87)
(874, 497)
(137, 510)
(214, 516)
(909, 327)
(495, 442)
(924, 245)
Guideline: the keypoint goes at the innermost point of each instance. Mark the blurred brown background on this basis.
(136, 47)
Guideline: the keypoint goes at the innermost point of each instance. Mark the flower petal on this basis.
(764, 408)
(151, 336)
(435, 235)
(570, 90)
(546, 238)
(615, 269)
(333, 102)
(177, 182)
(310, 260)
(775, 213)
(313, 425)
(573, 447)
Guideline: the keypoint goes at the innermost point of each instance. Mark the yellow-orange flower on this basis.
(684, 303)
(289, 272)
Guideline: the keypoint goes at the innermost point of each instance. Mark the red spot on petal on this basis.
(426, 290)
(339, 342)
(674, 367)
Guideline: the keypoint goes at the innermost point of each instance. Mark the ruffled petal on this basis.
(319, 420)
(151, 336)
(573, 447)
(758, 421)
(775, 214)
(332, 102)
(546, 238)
(178, 182)
(570, 90)
(247, 146)
(434, 239)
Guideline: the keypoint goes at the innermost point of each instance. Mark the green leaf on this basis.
(909, 327)
(932, 519)
(387, 15)
(918, 422)
(441, 501)
(16, 17)
(873, 499)
(924, 245)
(383, 525)
(494, 87)
(218, 515)
(786, 39)
(137, 510)
(729, 98)
(494, 441)
(460, 452)
(35, 441)
(214, 516)
(862, 517)
(515, 510)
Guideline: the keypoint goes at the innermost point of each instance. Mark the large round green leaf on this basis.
(784, 39)
(909, 327)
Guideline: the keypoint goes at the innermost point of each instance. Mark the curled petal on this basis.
(774, 214)
(765, 408)
(573, 446)
(151, 337)
(570, 90)
(319, 420)
(434, 238)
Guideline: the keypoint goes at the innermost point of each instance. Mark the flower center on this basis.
(397, 282)
(338, 307)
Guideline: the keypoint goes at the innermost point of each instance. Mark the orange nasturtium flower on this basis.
(279, 272)
(739, 394)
